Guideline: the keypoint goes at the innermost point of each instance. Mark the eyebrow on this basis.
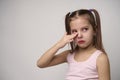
(82, 27)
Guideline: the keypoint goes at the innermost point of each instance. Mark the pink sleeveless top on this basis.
(85, 70)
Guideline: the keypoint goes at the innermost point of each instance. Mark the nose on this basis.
(79, 35)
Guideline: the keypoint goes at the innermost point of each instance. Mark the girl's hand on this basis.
(66, 39)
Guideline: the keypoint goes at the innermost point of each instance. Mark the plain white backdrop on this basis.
(29, 27)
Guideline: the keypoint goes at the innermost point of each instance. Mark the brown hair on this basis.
(94, 19)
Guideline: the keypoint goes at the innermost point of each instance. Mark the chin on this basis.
(82, 46)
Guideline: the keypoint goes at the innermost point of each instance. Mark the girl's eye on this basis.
(84, 29)
(74, 31)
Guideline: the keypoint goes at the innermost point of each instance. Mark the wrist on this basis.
(58, 45)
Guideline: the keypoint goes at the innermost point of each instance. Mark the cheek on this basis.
(89, 36)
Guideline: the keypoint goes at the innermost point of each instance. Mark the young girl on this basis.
(87, 58)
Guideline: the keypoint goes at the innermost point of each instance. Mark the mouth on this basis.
(81, 41)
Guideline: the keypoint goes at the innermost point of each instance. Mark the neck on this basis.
(87, 49)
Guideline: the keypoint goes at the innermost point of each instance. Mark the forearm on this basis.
(47, 57)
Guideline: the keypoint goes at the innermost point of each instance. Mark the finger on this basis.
(73, 35)
(65, 33)
(70, 40)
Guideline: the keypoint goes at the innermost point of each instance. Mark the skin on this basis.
(80, 30)
(83, 28)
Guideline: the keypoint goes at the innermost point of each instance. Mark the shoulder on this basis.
(102, 60)
(102, 57)
(103, 67)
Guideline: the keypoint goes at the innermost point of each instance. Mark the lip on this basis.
(81, 41)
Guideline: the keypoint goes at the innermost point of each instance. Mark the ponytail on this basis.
(98, 38)
(67, 28)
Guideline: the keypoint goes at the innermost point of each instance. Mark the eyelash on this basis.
(83, 29)
(74, 31)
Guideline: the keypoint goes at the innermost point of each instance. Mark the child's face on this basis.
(85, 31)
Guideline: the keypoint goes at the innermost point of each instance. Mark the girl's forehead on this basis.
(79, 21)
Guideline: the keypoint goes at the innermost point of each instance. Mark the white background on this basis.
(29, 27)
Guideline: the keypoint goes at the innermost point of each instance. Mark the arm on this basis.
(103, 67)
(49, 58)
